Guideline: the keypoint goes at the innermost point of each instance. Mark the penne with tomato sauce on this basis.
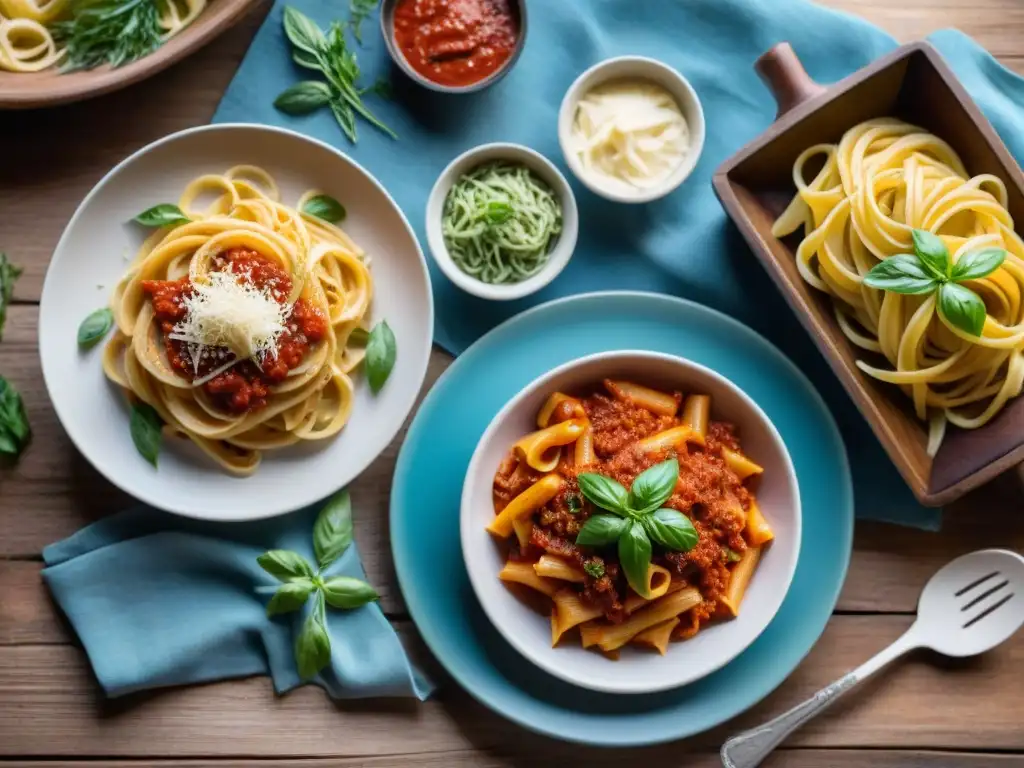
(630, 512)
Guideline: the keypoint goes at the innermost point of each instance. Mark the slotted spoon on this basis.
(970, 606)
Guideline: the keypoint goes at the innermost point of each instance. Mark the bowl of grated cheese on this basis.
(631, 129)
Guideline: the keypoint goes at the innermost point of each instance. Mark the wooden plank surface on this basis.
(925, 711)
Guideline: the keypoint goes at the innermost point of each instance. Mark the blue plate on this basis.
(428, 486)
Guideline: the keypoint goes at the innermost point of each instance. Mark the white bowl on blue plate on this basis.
(638, 670)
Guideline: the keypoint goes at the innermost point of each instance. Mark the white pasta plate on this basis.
(637, 670)
(93, 254)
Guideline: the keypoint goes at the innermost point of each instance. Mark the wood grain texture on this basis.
(50, 706)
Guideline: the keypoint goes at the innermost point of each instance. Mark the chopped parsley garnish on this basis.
(731, 555)
(594, 568)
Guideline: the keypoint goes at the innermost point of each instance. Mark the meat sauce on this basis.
(246, 386)
(456, 42)
(707, 492)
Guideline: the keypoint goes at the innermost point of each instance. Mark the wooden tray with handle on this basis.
(912, 83)
(21, 90)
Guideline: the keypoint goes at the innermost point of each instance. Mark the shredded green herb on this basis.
(501, 222)
(594, 568)
(113, 32)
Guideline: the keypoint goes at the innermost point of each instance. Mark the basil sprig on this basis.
(929, 268)
(9, 273)
(95, 327)
(14, 428)
(381, 350)
(328, 54)
(332, 536)
(325, 207)
(163, 215)
(637, 517)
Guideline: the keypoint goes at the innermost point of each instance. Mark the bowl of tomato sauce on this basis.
(454, 46)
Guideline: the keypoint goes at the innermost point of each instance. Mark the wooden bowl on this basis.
(50, 87)
(755, 185)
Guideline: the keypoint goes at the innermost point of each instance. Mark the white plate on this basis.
(93, 254)
(636, 671)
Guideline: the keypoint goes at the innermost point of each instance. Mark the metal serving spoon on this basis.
(970, 606)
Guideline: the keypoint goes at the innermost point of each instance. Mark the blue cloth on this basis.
(681, 245)
(159, 600)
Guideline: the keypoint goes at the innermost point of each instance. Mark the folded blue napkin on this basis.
(681, 245)
(159, 600)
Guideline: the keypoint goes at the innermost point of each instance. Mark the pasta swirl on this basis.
(884, 179)
(327, 277)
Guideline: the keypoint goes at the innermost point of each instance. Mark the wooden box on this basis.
(914, 84)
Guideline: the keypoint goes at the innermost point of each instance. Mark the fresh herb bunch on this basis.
(329, 55)
(9, 273)
(332, 535)
(637, 517)
(929, 269)
(14, 428)
(113, 32)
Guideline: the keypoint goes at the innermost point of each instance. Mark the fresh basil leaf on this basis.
(95, 327)
(163, 215)
(654, 486)
(313, 645)
(962, 308)
(604, 492)
(9, 273)
(978, 264)
(635, 556)
(306, 60)
(359, 336)
(594, 569)
(574, 503)
(325, 207)
(302, 31)
(303, 98)
(932, 253)
(601, 530)
(13, 420)
(901, 274)
(346, 118)
(672, 529)
(285, 565)
(498, 212)
(380, 355)
(290, 596)
(332, 531)
(146, 429)
(347, 593)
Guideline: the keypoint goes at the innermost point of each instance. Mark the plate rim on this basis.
(683, 732)
(168, 505)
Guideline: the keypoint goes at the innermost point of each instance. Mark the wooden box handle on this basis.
(786, 78)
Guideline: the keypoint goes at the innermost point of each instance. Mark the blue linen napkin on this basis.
(160, 600)
(681, 245)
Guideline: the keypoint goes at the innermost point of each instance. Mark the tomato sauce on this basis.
(246, 386)
(456, 42)
(707, 492)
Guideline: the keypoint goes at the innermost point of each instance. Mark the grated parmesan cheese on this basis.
(224, 312)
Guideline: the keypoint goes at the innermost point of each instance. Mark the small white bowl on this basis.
(544, 169)
(636, 671)
(630, 68)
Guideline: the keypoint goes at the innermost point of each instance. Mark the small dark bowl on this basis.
(387, 28)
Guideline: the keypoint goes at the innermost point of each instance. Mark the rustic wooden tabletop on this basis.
(925, 711)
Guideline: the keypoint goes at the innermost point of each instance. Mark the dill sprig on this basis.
(113, 32)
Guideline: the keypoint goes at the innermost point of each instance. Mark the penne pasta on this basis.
(670, 438)
(527, 502)
(658, 636)
(523, 573)
(583, 453)
(658, 581)
(609, 637)
(569, 611)
(696, 413)
(739, 579)
(759, 532)
(657, 402)
(541, 449)
(553, 567)
(740, 464)
(559, 407)
(523, 527)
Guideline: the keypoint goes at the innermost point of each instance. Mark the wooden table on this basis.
(925, 711)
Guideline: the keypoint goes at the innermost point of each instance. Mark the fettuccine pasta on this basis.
(883, 180)
(236, 326)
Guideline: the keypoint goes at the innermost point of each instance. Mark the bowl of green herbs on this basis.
(501, 221)
(104, 45)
